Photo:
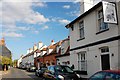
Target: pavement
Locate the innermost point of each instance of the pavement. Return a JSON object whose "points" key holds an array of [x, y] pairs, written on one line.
{"points": [[3, 73]]}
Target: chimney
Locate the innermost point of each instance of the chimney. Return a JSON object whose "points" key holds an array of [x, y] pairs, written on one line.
{"points": [[34, 47], [30, 50], [52, 42], [85, 5], [68, 37], [40, 44], [2, 41]]}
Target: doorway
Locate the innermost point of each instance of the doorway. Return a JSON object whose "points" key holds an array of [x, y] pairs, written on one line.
{"points": [[105, 62]]}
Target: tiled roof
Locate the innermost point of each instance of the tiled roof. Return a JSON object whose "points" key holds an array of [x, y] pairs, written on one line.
{"points": [[4, 51], [67, 53], [38, 51], [44, 49]]}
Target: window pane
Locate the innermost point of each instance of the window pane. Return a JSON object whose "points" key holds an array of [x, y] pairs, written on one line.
{"points": [[98, 76], [112, 76], [81, 27], [101, 24]]}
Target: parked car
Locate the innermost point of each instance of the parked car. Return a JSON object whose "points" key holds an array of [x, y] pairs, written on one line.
{"points": [[40, 72], [60, 72], [31, 68], [106, 75]]}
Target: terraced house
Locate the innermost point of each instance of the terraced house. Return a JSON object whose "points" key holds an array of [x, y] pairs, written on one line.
{"points": [[94, 44], [28, 59]]}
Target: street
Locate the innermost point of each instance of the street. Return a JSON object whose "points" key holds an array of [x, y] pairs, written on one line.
{"points": [[19, 74]]}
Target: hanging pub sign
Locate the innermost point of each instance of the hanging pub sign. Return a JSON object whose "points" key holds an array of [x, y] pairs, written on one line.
{"points": [[109, 12]]}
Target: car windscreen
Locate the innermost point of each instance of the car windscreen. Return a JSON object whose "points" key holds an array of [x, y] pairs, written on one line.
{"points": [[64, 69]]}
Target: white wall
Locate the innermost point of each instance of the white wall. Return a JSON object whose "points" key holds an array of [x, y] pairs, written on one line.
{"points": [[19, 61], [63, 59], [90, 29]]}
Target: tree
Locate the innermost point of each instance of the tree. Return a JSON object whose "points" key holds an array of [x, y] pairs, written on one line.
{"points": [[5, 60], [15, 63]]}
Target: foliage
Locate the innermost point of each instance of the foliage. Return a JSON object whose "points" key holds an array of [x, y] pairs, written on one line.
{"points": [[5, 60], [15, 62]]}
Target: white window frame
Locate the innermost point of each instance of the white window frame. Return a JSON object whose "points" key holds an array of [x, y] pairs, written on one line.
{"points": [[81, 29], [101, 25], [82, 61]]}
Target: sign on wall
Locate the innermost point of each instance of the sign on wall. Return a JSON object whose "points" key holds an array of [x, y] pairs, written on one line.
{"points": [[109, 12]]}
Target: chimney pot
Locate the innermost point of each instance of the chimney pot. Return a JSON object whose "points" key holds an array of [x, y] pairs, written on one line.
{"points": [[52, 40]]}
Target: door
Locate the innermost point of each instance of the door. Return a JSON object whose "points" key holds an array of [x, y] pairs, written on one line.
{"points": [[105, 62]]}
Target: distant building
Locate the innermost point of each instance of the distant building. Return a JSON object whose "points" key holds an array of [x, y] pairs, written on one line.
{"points": [[4, 51], [28, 59], [63, 56]]}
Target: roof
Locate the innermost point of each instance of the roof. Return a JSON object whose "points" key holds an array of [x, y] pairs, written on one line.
{"points": [[54, 46], [4, 51], [37, 51], [84, 14], [44, 49], [67, 53]]}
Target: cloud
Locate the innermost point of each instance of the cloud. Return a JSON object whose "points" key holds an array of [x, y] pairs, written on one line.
{"points": [[60, 20], [66, 6], [74, 13], [14, 12], [21, 11], [45, 27], [39, 4], [36, 32], [12, 34], [64, 21]]}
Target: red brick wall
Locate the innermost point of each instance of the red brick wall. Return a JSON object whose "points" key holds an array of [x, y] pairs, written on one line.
{"points": [[45, 59], [50, 58]]}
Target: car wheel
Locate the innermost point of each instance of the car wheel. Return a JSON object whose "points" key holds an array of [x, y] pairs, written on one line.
{"points": [[35, 74], [38, 75], [43, 79]]}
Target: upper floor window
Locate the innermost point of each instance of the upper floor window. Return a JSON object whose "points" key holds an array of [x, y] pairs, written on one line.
{"points": [[102, 26], [81, 28]]}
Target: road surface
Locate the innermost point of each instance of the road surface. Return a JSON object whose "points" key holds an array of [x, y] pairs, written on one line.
{"points": [[19, 74]]}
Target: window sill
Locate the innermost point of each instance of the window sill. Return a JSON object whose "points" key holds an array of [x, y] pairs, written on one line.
{"points": [[81, 39], [102, 31]]}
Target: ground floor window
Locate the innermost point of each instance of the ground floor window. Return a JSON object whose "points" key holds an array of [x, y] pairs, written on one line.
{"points": [[82, 61]]}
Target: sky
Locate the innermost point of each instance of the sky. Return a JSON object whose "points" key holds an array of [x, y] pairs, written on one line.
{"points": [[25, 23]]}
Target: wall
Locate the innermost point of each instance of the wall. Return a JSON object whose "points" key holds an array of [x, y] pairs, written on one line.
{"points": [[118, 10], [91, 28], [90, 31], [94, 63], [63, 59], [50, 58]]}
